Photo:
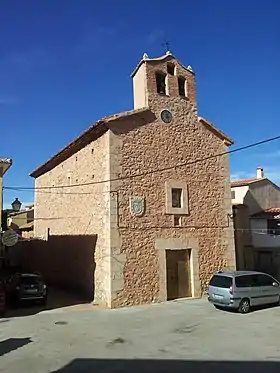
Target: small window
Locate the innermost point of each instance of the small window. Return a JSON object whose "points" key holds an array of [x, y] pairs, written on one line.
{"points": [[160, 80], [181, 86], [177, 197], [273, 227], [233, 194], [170, 69], [218, 281]]}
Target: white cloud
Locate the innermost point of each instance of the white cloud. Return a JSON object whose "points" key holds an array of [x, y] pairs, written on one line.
{"points": [[273, 154], [271, 174], [241, 175]]}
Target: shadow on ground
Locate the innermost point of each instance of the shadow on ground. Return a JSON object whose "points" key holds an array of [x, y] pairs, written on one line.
{"points": [[166, 366], [12, 344], [57, 299], [253, 309]]}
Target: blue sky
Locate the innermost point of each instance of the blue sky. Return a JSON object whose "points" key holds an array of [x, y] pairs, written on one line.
{"points": [[66, 63]]}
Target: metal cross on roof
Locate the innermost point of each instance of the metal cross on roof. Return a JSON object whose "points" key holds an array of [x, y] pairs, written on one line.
{"points": [[166, 44]]}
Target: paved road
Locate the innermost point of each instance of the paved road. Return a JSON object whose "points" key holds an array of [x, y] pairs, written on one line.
{"points": [[169, 337], [56, 299]]}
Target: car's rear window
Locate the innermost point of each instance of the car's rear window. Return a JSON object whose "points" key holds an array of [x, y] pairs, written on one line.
{"points": [[221, 281], [30, 280]]}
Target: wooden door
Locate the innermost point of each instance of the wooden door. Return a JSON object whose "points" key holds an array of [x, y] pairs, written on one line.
{"points": [[178, 274]]}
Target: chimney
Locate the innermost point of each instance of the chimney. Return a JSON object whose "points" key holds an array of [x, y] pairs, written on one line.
{"points": [[260, 174]]}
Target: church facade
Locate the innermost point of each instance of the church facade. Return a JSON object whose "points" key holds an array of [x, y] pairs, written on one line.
{"points": [[153, 185]]}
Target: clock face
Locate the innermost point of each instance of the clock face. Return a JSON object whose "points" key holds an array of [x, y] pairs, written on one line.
{"points": [[166, 116]]}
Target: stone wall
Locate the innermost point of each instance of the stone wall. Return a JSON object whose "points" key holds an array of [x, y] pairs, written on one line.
{"points": [[79, 210], [158, 147]]}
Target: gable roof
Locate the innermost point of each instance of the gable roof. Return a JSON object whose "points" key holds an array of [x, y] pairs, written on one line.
{"points": [[246, 182], [15, 213], [95, 131], [228, 141], [267, 213], [166, 56]]}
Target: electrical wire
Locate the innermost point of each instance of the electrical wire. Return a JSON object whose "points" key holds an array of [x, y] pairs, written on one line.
{"points": [[147, 172]]}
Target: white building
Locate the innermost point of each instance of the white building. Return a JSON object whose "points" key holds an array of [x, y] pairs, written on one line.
{"points": [[259, 199]]}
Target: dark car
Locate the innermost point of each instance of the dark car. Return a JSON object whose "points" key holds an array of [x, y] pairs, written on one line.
{"points": [[26, 287]]}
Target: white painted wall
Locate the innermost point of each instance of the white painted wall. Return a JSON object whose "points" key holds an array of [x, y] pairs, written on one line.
{"points": [[140, 87], [260, 238], [240, 193]]}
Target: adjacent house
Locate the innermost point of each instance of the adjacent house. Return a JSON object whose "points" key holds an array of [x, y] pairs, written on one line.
{"points": [[22, 221], [19, 220], [256, 206], [148, 184]]}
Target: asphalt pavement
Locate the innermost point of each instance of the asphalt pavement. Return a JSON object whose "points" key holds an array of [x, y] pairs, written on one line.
{"points": [[179, 336]]}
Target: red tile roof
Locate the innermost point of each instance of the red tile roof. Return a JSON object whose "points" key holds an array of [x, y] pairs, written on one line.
{"points": [[245, 182], [267, 213]]}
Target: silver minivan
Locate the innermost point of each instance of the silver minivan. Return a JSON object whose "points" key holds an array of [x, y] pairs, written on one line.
{"points": [[242, 290]]}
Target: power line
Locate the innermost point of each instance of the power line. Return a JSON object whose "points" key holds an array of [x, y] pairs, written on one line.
{"points": [[45, 218], [18, 188]]}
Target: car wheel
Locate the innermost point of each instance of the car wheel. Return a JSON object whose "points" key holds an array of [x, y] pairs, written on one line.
{"points": [[244, 306]]}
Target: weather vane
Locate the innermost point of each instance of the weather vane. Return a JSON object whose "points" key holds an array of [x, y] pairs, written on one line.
{"points": [[166, 44]]}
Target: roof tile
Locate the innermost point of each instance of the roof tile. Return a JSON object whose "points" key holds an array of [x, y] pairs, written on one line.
{"points": [[245, 182], [267, 213]]}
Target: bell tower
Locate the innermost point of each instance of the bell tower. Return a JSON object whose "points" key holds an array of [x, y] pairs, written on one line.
{"points": [[162, 76]]}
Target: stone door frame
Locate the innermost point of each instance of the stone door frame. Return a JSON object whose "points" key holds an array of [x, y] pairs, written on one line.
{"points": [[191, 244]]}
